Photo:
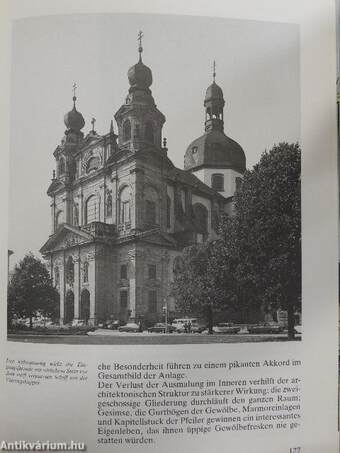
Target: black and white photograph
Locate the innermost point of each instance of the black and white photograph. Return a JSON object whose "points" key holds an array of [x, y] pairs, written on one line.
{"points": [[155, 180]]}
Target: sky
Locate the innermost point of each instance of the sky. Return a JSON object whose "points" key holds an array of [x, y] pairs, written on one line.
{"points": [[257, 67]]}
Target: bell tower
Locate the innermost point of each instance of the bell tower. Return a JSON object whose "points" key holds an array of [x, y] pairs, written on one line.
{"points": [[214, 104], [139, 121]]}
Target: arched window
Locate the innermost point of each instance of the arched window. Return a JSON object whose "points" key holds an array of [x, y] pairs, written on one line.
{"points": [[201, 218], [149, 132], [126, 131], [137, 131], [61, 166], [86, 272], [56, 276], [217, 182], [109, 205], [151, 206], [92, 164], [70, 270], [124, 206], [168, 211], [91, 210]]}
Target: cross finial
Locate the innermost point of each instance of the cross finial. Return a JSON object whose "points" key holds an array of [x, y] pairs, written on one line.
{"points": [[140, 48], [214, 70], [74, 87], [93, 122]]}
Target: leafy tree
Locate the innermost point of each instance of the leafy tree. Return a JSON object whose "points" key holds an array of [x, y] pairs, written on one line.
{"points": [[200, 283], [265, 233], [30, 291]]}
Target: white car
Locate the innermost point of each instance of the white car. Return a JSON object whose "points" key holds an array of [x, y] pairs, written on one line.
{"points": [[192, 325]]}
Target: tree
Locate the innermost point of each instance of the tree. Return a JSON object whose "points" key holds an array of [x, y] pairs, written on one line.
{"points": [[30, 291], [264, 236], [200, 283]]}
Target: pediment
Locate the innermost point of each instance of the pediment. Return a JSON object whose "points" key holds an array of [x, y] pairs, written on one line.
{"points": [[159, 238], [65, 237]]}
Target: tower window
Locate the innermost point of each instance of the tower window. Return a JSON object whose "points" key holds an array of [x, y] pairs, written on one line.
{"points": [[123, 272], [194, 149], [92, 164], [217, 182], [149, 132], [152, 271], [127, 131], [61, 166], [137, 131], [152, 302]]}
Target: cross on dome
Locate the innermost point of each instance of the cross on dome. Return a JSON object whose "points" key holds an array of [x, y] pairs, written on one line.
{"points": [[140, 48], [74, 88]]}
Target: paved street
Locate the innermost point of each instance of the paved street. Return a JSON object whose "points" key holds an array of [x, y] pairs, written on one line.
{"points": [[114, 337]]}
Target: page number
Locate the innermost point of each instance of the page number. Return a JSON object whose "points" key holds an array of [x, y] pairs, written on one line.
{"points": [[295, 450]]}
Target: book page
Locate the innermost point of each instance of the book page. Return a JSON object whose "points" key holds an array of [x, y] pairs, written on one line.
{"points": [[169, 237]]}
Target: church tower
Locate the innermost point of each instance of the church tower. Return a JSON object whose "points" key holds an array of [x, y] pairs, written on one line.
{"points": [[139, 121], [214, 158], [65, 156]]}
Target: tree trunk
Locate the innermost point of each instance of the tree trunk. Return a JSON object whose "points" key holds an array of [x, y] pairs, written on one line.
{"points": [[291, 322], [31, 322], [210, 320]]}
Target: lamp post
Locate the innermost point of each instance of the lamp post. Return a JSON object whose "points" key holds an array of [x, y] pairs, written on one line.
{"points": [[165, 311]]}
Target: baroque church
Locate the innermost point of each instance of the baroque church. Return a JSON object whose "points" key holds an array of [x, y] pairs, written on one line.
{"points": [[121, 212]]}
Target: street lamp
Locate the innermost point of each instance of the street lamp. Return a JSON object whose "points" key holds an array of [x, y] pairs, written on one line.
{"points": [[165, 311]]}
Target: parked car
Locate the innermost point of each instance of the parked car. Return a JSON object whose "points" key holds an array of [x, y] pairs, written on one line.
{"points": [[78, 323], [226, 328], [188, 325], [129, 327], [265, 328], [161, 327]]}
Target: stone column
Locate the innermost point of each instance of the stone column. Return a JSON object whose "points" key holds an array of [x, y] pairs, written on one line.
{"points": [[92, 287], [132, 282], [76, 286], [62, 289]]}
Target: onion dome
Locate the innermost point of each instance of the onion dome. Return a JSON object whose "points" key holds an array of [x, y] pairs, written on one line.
{"points": [[214, 149], [140, 76], [214, 92], [74, 120]]}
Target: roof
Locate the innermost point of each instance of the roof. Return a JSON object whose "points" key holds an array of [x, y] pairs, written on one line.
{"points": [[176, 174], [214, 149]]}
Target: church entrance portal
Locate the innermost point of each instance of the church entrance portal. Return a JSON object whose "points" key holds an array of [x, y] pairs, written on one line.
{"points": [[85, 305], [69, 307]]}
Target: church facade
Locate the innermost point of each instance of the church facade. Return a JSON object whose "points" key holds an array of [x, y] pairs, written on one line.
{"points": [[121, 212]]}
